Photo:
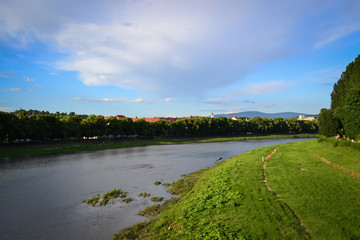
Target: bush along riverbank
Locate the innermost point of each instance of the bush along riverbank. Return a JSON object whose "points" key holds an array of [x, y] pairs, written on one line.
{"points": [[62, 147], [299, 190]]}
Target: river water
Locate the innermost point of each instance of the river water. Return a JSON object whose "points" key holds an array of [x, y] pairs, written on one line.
{"points": [[40, 197]]}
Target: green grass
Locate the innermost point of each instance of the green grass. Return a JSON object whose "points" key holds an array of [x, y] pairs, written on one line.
{"points": [[231, 200], [324, 197], [46, 148]]}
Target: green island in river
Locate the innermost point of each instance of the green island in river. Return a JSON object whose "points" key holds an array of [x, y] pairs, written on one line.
{"points": [[299, 190]]}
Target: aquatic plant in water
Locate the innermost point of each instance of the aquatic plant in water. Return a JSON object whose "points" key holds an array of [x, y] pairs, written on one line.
{"points": [[106, 197], [156, 199], [145, 194], [93, 200]]}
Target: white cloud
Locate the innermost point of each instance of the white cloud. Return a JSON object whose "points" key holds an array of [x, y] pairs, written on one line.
{"points": [[169, 47], [111, 100]]}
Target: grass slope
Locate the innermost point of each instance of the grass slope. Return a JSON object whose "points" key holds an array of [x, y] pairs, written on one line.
{"points": [[231, 200], [324, 197]]}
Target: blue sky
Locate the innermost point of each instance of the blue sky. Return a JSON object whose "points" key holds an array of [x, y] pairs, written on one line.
{"points": [[174, 58]]}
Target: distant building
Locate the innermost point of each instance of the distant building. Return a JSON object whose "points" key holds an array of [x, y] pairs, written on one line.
{"points": [[212, 115], [234, 117], [117, 117], [169, 119], [309, 118], [153, 119]]}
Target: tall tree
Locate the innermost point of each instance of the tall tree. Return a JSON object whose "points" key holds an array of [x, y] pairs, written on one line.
{"points": [[350, 114], [348, 80], [329, 125]]}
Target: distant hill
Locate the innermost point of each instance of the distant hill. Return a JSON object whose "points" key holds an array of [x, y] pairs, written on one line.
{"points": [[251, 114]]}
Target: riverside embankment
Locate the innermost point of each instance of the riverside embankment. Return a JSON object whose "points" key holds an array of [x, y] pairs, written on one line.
{"points": [[295, 194]]}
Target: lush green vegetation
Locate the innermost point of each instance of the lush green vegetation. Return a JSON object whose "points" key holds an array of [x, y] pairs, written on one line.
{"points": [[21, 126], [292, 195], [34, 149], [344, 115]]}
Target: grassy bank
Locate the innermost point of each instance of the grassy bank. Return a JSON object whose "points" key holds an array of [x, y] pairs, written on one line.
{"points": [[37, 149], [292, 195]]}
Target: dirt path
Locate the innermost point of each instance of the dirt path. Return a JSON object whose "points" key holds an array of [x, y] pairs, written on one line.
{"points": [[355, 174], [265, 159]]}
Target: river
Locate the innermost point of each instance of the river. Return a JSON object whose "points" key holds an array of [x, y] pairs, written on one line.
{"points": [[40, 197]]}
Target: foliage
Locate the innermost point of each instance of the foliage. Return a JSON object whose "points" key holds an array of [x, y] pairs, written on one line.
{"points": [[40, 126], [344, 104], [329, 126], [350, 114], [349, 79]]}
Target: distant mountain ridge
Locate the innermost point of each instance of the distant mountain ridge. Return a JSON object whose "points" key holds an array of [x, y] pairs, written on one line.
{"points": [[251, 114]]}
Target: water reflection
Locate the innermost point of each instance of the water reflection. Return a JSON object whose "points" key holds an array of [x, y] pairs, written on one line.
{"points": [[40, 197]]}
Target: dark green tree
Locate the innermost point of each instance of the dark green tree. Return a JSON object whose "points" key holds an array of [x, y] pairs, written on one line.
{"points": [[348, 80], [349, 114], [329, 125]]}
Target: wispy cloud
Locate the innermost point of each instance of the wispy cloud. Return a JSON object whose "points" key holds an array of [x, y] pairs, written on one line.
{"points": [[171, 99], [28, 79], [337, 33], [216, 101], [247, 101], [262, 88], [5, 109], [7, 74], [17, 90], [111, 100], [270, 105]]}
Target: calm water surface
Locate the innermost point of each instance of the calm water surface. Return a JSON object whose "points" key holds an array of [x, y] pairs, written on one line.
{"points": [[40, 197]]}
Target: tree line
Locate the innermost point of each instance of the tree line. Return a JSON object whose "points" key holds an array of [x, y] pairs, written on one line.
{"points": [[343, 117], [19, 126]]}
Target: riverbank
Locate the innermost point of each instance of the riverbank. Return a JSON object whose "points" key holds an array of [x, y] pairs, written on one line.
{"points": [[17, 150], [304, 190]]}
